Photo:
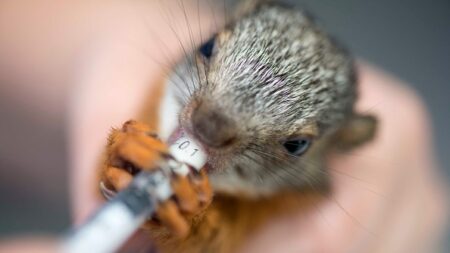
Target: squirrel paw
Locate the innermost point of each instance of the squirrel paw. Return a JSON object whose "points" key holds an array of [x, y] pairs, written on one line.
{"points": [[136, 147]]}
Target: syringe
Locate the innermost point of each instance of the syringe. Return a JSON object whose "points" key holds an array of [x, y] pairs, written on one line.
{"points": [[108, 229]]}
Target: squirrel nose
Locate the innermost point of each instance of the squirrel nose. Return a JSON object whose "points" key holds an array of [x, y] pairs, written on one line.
{"points": [[212, 128]]}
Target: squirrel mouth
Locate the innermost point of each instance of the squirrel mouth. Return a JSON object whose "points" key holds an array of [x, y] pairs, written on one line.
{"points": [[216, 156], [180, 132], [175, 135]]}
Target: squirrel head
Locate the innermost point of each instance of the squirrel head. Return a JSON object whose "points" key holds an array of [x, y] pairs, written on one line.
{"points": [[268, 97]]}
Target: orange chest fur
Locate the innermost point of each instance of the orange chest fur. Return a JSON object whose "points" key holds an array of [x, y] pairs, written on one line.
{"points": [[230, 221]]}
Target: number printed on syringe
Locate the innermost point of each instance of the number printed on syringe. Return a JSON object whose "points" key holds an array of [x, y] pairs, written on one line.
{"points": [[185, 146], [187, 151]]}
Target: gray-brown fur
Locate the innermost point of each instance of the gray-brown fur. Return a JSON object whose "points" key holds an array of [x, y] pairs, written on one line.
{"points": [[273, 73]]}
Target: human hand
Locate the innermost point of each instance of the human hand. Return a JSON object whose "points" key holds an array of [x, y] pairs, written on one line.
{"points": [[385, 197], [118, 75], [378, 191], [26, 245]]}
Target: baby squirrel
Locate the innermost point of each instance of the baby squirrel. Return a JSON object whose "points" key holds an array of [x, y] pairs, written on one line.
{"points": [[268, 97]]}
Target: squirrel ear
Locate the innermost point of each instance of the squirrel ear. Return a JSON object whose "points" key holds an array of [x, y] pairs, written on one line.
{"points": [[358, 130]]}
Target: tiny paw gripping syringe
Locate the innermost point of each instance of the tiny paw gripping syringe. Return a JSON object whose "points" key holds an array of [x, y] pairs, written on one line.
{"points": [[108, 229]]}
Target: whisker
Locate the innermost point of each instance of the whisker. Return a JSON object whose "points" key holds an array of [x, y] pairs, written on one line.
{"points": [[366, 156], [193, 45], [185, 52], [312, 181], [168, 65], [274, 175]]}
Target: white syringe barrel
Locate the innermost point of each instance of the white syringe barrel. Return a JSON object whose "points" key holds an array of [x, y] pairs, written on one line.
{"points": [[108, 229], [112, 225], [187, 152]]}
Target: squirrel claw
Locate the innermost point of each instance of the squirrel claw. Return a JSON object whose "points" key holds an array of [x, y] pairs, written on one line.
{"points": [[118, 178], [170, 216], [203, 188], [136, 147], [185, 194]]}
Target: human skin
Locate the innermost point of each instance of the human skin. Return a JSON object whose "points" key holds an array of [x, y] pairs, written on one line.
{"points": [[379, 191], [383, 186], [30, 244]]}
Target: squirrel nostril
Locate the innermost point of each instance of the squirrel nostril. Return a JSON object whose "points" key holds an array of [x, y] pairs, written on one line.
{"points": [[213, 128]]}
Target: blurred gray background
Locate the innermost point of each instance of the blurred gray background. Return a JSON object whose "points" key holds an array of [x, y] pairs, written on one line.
{"points": [[410, 39]]}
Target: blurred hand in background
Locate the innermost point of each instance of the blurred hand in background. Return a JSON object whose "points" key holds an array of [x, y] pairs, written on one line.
{"points": [[88, 66]]}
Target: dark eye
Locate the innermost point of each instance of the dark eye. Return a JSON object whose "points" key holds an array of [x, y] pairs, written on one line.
{"points": [[207, 48], [297, 146]]}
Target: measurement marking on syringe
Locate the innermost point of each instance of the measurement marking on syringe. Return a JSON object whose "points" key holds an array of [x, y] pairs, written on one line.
{"points": [[185, 145]]}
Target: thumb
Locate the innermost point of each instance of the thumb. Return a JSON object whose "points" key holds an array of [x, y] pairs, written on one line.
{"points": [[26, 245]]}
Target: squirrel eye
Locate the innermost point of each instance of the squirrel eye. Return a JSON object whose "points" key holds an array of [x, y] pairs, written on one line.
{"points": [[297, 146], [207, 48]]}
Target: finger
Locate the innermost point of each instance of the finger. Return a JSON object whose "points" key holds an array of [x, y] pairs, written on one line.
{"points": [[202, 187], [24, 245], [185, 194], [169, 216], [143, 157], [151, 143], [118, 178], [137, 127]]}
